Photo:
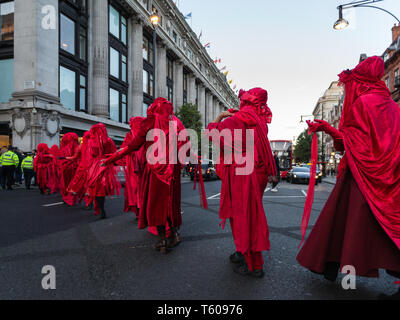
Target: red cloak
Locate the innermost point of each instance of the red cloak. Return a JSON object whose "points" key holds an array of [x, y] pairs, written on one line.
{"points": [[101, 181], [370, 126], [241, 195], [41, 165]]}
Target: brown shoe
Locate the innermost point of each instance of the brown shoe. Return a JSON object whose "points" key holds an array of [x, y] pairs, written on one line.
{"points": [[174, 240], [162, 246]]}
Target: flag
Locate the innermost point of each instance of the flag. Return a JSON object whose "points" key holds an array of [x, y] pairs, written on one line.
{"points": [[222, 69], [188, 16], [234, 87], [208, 45], [230, 81], [217, 61], [201, 34], [226, 73]]}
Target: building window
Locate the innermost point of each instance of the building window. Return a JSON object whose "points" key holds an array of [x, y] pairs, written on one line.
{"points": [[6, 79], [73, 69], [118, 78], [145, 107], [148, 50], [7, 21], [148, 70], [148, 83], [170, 79], [67, 34], [68, 88], [387, 81], [118, 105]]}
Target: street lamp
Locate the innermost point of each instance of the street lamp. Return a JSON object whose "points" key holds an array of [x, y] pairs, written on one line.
{"points": [[341, 23], [155, 19]]}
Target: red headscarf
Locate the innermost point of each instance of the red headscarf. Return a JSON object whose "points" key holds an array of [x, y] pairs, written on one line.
{"points": [[54, 150], [255, 113], [100, 143], [371, 133], [69, 144]]}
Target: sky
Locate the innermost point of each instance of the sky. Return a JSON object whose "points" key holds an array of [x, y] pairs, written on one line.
{"points": [[289, 47]]}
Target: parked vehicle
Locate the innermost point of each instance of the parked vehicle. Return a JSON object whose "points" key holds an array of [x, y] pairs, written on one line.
{"points": [[207, 168], [121, 175], [301, 175]]}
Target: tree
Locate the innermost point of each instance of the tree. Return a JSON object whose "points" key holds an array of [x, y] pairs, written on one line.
{"points": [[190, 117], [302, 151]]}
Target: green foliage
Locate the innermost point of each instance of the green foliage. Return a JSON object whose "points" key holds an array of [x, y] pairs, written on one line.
{"points": [[302, 151], [190, 117]]}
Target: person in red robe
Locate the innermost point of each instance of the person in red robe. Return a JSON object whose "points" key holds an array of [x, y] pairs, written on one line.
{"points": [[101, 181], [360, 223], [133, 165], [241, 194], [78, 184], [54, 179], [161, 181], [67, 168], [41, 165]]}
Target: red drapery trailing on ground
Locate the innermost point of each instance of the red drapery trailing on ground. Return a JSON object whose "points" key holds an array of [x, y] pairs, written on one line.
{"points": [[370, 126]]}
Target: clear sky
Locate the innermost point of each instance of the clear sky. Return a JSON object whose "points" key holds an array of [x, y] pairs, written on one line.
{"points": [[289, 47]]}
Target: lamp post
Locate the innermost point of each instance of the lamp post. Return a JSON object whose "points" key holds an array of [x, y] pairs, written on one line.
{"points": [[155, 19], [342, 23]]}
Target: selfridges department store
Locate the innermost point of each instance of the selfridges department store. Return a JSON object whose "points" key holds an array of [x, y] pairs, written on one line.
{"points": [[66, 65]]}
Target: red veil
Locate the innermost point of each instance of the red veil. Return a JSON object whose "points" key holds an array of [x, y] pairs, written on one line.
{"points": [[41, 165], [371, 132]]}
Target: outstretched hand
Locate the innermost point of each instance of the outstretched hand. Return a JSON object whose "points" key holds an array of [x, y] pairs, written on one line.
{"points": [[316, 126]]}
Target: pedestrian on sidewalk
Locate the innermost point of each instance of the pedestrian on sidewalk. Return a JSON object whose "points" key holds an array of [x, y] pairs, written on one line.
{"points": [[277, 179], [360, 223], [242, 193]]}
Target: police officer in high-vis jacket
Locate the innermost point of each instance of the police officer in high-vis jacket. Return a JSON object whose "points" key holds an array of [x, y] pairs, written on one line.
{"points": [[9, 161], [27, 169]]}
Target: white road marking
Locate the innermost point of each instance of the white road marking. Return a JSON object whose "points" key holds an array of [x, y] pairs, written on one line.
{"points": [[283, 197], [53, 204], [305, 193], [214, 196]]}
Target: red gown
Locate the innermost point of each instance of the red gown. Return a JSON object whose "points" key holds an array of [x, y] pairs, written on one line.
{"points": [[101, 181], [161, 182], [78, 183], [360, 223], [54, 179], [133, 165], [41, 165], [241, 195], [67, 168]]}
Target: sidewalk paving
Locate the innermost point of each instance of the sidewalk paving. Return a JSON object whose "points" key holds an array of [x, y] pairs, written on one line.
{"points": [[329, 179]]}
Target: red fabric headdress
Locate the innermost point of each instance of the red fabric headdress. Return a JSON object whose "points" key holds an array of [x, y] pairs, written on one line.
{"points": [[69, 143]]}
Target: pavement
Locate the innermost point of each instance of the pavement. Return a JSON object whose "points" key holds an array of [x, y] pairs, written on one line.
{"points": [[112, 259]]}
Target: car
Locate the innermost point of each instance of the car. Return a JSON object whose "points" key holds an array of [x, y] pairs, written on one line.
{"points": [[301, 175], [319, 173], [208, 170]]}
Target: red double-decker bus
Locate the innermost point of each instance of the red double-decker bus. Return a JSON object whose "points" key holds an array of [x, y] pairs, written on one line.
{"points": [[285, 150]]}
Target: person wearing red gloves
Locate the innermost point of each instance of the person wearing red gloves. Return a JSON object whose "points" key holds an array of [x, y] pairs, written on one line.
{"points": [[241, 194], [360, 223], [161, 180]]}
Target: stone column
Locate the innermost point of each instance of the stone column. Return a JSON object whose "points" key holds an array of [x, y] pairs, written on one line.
{"points": [[192, 89], [100, 59], [136, 104], [210, 107], [178, 84], [202, 104], [161, 85], [36, 73]]}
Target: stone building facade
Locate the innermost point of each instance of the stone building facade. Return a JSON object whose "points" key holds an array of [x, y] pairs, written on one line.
{"points": [[329, 108], [68, 64]]}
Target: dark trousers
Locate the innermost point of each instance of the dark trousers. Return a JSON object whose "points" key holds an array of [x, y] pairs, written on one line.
{"points": [[28, 175], [8, 176], [18, 175], [274, 184]]}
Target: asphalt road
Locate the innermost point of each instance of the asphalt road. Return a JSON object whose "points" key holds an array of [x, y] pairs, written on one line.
{"points": [[111, 259]]}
